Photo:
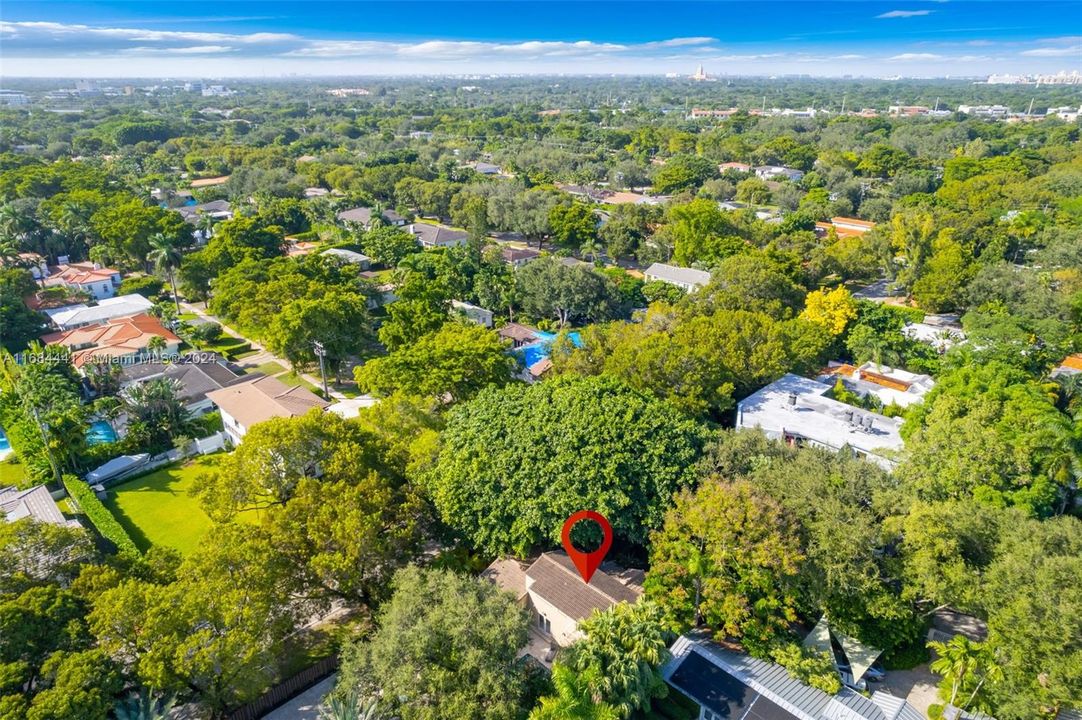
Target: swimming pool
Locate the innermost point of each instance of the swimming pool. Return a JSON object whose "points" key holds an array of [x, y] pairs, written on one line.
{"points": [[100, 432], [5, 446], [535, 352]]}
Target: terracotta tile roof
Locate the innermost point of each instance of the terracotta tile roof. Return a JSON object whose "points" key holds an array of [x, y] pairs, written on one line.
{"points": [[513, 254], [518, 333], [208, 182], [1073, 361], [540, 367], [554, 578], [264, 398], [116, 338], [852, 221], [79, 274]]}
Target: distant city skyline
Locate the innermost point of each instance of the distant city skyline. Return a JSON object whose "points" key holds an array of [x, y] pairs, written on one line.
{"points": [[238, 38]]}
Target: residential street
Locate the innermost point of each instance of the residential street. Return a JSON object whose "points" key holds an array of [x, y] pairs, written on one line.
{"points": [[264, 354]]}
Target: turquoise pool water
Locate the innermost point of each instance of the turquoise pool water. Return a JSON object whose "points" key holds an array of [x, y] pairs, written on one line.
{"points": [[4, 444], [536, 352], [100, 432]]}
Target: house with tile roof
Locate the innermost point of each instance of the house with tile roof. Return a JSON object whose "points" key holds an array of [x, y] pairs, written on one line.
{"points": [[196, 377], [35, 503], [432, 236], [557, 598], [844, 227], [116, 340], [731, 685], [246, 404], [70, 317], [91, 278]]}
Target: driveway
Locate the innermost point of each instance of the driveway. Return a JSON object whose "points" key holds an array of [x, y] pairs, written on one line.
{"points": [[306, 705], [918, 686]]}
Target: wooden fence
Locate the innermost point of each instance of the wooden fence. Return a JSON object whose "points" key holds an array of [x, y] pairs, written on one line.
{"points": [[286, 690]]}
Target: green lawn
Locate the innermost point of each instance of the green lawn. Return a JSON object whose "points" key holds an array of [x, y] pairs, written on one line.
{"points": [[267, 368], [157, 510], [11, 473], [295, 380]]}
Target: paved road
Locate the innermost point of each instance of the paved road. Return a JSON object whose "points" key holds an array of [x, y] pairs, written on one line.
{"points": [[264, 355], [306, 705]]}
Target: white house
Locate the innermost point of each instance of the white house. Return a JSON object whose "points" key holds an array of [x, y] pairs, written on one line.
{"points": [[777, 172], [689, 279], [794, 409], [473, 313], [348, 256], [73, 316], [891, 386], [557, 598], [91, 278], [431, 236], [245, 404]]}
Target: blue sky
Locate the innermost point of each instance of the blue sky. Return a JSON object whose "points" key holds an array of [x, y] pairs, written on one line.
{"points": [[231, 38]]}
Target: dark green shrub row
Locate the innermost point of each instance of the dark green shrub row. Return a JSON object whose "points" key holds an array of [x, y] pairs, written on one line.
{"points": [[24, 436], [99, 516]]}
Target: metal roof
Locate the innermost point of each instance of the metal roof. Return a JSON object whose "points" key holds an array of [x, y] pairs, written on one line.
{"points": [[773, 683]]}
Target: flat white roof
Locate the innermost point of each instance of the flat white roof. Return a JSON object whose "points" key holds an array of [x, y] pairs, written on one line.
{"points": [[106, 309], [818, 420], [674, 273]]}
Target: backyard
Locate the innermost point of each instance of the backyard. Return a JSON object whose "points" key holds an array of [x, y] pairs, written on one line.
{"points": [[156, 509]]}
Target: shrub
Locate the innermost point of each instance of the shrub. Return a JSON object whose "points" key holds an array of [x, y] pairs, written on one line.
{"points": [[146, 285], [25, 439], [206, 425], [206, 332], [100, 517]]}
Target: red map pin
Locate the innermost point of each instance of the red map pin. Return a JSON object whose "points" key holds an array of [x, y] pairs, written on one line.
{"points": [[587, 562]]}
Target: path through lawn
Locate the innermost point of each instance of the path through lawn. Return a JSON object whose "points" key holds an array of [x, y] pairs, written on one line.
{"points": [[157, 510]]}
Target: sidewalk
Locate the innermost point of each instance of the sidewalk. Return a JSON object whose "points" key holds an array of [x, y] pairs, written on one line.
{"points": [[264, 354]]}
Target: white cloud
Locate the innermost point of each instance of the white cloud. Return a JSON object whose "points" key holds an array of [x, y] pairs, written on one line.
{"points": [[463, 49], [1071, 51], [904, 14], [914, 57], [191, 50], [24, 30]]}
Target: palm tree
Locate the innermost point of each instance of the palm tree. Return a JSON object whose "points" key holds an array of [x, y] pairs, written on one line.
{"points": [[591, 248], [963, 664], [574, 698], [166, 257], [144, 706], [205, 223]]}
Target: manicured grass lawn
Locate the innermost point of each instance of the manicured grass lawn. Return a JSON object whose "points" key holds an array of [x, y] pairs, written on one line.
{"points": [[11, 473], [267, 368], [186, 317], [157, 510], [295, 380], [245, 354]]}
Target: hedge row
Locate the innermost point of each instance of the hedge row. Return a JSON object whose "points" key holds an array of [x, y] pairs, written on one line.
{"points": [[99, 516], [24, 436]]}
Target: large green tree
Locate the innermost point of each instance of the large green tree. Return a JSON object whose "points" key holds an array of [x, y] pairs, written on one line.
{"points": [[514, 462], [727, 557], [445, 649], [456, 361]]}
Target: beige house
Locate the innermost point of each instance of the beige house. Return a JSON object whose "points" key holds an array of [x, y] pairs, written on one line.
{"points": [[246, 404], [553, 591]]}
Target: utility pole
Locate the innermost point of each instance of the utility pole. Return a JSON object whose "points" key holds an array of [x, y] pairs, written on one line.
{"points": [[321, 353]]}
